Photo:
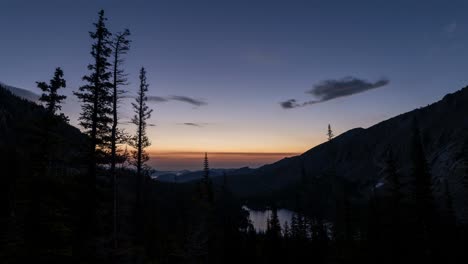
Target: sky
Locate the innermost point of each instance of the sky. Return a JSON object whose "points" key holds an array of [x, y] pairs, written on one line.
{"points": [[264, 78]]}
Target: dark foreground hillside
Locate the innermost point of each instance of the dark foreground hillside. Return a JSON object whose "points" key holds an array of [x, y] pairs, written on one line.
{"points": [[42, 219]]}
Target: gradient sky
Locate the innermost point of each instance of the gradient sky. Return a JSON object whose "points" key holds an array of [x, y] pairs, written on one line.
{"points": [[243, 58]]}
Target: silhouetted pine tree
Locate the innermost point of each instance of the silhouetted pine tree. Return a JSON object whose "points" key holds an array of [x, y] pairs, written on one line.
{"points": [[464, 229], [40, 212], [449, 211], [344, 229], [120, 46], [95, 118], [396, 234], [319, 195], [286, 231], [343, 224], [273, 225], [140, 140], [393, 178], [423, 198], [449, 233], [273, 237], [124, 158], [96, 95], [330, 134], [349, 220], [298, 237], [301, 229], [302, 198], [464, 157], [295, 227], [50, 96], [374, 228], [319, 238], [302, 224], [206, 184], [52, 101], [206, 168]]}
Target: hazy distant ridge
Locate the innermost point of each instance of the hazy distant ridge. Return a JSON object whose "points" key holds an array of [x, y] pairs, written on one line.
{"points": [[23, 93]]}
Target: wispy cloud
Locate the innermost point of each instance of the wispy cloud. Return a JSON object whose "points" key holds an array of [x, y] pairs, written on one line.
{"points": [[331, 89], [193, 124], [180, 98], [189, 100], [157, 99]]}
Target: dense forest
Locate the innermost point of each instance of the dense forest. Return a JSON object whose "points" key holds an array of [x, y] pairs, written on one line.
{"points": [[71, 196]]}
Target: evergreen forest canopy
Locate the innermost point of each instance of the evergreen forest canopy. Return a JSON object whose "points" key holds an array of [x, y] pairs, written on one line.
{"points": [[71, 196]]}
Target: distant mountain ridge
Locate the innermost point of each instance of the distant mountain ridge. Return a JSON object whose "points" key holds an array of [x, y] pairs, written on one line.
{"points": [[23, 93], [188, 176]]}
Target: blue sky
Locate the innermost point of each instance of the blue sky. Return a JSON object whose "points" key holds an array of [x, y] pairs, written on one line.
{"points": [[245, 57]]}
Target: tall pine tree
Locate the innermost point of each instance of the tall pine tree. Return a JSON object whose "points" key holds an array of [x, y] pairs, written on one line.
{"points": [[120, 46], [39, 219], [273, 224], [206, 184], [96, 105], [140, 140], [206, 168], [96, 95], [273, 237]]}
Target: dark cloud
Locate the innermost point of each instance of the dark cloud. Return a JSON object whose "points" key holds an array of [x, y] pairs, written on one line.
{"points": [[189, 100], [331, 89], [291, 103]]}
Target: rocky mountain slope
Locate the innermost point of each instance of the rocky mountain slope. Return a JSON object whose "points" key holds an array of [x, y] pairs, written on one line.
{"points": [[358, 155]]}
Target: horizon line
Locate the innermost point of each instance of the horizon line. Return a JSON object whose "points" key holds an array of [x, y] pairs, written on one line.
{"points": [[247, 153]]}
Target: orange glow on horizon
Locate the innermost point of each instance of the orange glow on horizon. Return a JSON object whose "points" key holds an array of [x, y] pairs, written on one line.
{"points": [[166, 160]]}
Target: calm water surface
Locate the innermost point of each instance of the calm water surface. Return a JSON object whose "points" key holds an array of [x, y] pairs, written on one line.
{"points": [[259, 218]]}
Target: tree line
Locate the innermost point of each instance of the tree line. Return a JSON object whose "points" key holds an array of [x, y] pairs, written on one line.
{"points": [[100, 97]]}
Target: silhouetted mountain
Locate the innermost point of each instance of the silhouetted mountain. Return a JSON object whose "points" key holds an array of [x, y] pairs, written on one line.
{"points": [[188, 176], [358, 155], [23, 93]]}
